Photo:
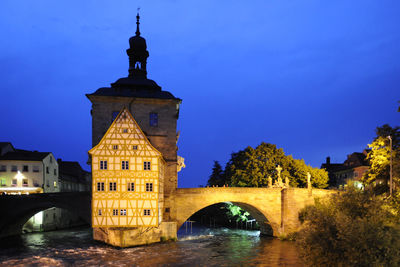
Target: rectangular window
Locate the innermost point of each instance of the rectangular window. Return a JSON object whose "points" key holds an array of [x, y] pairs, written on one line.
{"points": [[123, 212], [55, 171], [3, 181], [149, 187], [3, 168], [356, 174], [115, 212], [131, 186], [14, 168], [25, 168], [146, 166], [125, 130], [55, 184], [153, 119], [103, 164], [35, 169], [125, 165], [114, 115], [100, 186], [47, 169], [115, 147], [113, 186], [99, 212], [146, 212], [51, 159], [14, 182], [24, 182]]}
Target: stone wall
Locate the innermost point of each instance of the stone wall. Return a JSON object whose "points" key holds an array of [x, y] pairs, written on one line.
{"points": [[135, 236], [163, 137]]}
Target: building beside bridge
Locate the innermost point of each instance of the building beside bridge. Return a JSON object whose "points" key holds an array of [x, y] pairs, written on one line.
{"points": [[25, 172], [353, 168]]}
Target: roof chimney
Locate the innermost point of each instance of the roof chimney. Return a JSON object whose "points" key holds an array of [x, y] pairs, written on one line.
{"points": [[328, 160]]}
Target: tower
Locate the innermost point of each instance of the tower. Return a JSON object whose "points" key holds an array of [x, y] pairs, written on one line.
{"points": [[156, 111]]}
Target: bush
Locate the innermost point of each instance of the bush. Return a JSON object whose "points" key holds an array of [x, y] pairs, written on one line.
{"points": [[353, 228]]}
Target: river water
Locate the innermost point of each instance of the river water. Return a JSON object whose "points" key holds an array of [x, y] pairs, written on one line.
{"points": [[202, 247]]}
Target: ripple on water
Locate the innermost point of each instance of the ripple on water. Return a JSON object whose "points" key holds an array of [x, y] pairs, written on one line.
{"points": [[204, 247]]}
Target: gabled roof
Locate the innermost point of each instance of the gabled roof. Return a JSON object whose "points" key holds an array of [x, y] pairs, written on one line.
{"points": [[25, 155], [356, 159], [71, 170], [116, 136]]}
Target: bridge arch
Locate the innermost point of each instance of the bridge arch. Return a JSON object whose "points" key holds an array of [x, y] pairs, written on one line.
{"points": [[263, 204], [266, 228], [16, 210]]}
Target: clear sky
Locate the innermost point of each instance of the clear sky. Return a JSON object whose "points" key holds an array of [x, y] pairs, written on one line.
{"points": [[313, 77]]}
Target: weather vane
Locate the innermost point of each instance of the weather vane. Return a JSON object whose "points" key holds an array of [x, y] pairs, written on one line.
{"points": [[138, 9]]}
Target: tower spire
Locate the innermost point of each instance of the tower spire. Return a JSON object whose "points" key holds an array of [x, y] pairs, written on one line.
{"points": [[137, 53], [137, 22]]}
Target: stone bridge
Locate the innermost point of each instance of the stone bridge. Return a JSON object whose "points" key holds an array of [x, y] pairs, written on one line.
{"points": [[274, 208], [16, 210]]}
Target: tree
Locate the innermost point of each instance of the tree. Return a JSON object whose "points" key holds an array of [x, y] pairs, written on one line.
{"points": [[252, 167], [355, 228], [217, 176], [379, 157]]}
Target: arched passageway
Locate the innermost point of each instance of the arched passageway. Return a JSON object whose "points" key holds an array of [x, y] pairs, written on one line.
{"points": [[220, 215], [17, 210]]}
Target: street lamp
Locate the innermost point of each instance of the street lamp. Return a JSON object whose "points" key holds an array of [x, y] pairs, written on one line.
{"points": [[391, 173]]}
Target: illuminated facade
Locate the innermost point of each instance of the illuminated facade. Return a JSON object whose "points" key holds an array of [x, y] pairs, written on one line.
{"points": [[127, 177], [353, 168], [23, 172]]}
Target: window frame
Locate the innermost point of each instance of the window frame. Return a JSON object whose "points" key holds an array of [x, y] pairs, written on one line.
{"points": [[146, 212], [149, 187], [103, 165], [147, 165], [125, 165], [130, 187], [100, 187], [153, 119], [112, 186]]}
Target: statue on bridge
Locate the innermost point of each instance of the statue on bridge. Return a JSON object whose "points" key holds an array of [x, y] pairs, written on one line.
{"points": [[269, 182], [279, 182]]}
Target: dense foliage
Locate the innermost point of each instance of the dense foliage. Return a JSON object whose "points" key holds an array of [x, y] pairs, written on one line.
{"points": [[217, 176], [236, 213], [354, 228], [379, 158], [251, 167]]}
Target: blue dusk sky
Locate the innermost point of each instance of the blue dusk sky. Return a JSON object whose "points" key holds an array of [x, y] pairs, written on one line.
{"points": [[313, 77]]}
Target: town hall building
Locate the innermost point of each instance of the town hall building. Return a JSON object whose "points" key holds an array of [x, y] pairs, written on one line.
{"points": [[134, 156]]}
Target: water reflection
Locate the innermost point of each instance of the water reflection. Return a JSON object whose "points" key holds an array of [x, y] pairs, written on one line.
{"points": [[204, 247]]}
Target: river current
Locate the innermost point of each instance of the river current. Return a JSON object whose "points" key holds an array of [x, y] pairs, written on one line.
{"points": [[202, 247]]}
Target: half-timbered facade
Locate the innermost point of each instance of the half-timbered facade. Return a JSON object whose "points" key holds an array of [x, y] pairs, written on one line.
{"points": [[128, 174]]}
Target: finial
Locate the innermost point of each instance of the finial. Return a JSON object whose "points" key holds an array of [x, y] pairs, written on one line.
{"points": [[137, 22]]}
